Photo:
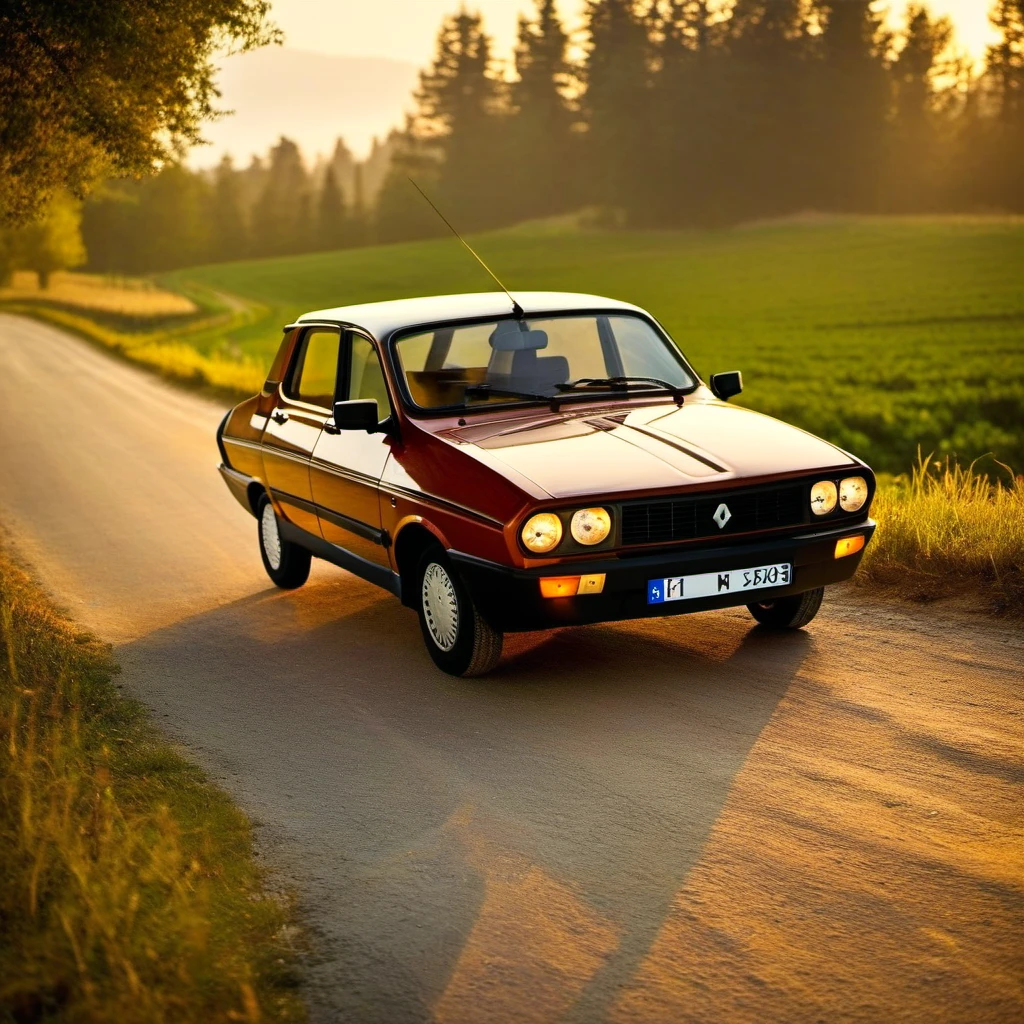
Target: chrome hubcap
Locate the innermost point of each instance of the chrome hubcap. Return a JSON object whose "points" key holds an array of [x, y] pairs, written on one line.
{"points": [[271, 538], [440, 606]]}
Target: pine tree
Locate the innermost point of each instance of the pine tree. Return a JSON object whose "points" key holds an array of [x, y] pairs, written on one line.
{"points": [[172, 224], [541, 122], [683, 174], [458, 122], [331, 221], [616, 104], [1005, 80], [230, 235], [281, 216], [914, 140], [769, 119], [851, 100]]}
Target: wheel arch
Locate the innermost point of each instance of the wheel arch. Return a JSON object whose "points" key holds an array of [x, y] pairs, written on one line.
{"points": [[254, 492], [412, 539]]}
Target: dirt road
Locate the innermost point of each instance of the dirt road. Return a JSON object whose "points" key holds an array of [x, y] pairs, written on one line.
{"points": [[675, 820]]}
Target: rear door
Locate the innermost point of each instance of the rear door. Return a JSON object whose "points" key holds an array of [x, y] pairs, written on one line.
{"points": [[346, 467], [296, 423]]}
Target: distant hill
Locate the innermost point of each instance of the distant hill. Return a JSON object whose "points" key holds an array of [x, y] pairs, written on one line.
{"points": [[310, 97]]}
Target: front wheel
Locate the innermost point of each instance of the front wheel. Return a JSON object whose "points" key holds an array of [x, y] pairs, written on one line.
{"points": [[286, 563], [788, 612], [459, 639]]}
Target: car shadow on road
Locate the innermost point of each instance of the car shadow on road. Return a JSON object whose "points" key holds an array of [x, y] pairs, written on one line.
{"points": [[576, 785]]}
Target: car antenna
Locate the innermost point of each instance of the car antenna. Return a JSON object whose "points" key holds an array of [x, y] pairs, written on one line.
{"points": [[517, 310]]}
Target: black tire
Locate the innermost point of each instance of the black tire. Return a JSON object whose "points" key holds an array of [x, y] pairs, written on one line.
{"points": [[788, 612], [289, 566], [459, 639]]}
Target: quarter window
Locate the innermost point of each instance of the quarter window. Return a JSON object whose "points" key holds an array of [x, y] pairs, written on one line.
{"points": [[315, 373], [366, 379]]}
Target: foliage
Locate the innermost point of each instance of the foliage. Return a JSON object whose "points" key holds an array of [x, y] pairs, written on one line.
{"points": [[949, 530], [107, 85], [51, 242], [128, 889]]}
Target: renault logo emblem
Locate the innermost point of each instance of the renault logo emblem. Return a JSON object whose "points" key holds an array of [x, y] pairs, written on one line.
{"points": [[722, 515]]}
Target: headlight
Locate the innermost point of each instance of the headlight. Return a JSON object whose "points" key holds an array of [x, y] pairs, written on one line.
{"points": [[853, 492], [590, 525], [542, 532], [823, 497]]}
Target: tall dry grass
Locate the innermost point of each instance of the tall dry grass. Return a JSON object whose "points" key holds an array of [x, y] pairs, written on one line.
{"points": [[128, 890], [947, 530]]}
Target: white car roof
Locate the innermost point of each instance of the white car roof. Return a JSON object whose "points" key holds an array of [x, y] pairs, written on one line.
{"points": [[382, 319]]}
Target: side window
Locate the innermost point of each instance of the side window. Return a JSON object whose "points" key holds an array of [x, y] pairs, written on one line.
{"points": [[315, 371], [366, 379]]}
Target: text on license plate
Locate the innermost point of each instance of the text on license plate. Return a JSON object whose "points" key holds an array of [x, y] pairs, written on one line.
{"points": [[712, 584]]}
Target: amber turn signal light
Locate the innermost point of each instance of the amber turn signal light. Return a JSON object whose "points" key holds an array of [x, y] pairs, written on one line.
{"points": [[570, 586], [849, 545]]}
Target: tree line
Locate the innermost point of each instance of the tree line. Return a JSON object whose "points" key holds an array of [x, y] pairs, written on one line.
{"points": [[701, 113], [672, 113]]}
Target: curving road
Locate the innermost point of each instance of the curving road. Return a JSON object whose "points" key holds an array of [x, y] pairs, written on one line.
{"points": [[688, 819]]}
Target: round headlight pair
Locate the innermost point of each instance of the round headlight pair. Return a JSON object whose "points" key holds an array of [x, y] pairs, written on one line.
{"points": [[542, 533], [850, 495]]}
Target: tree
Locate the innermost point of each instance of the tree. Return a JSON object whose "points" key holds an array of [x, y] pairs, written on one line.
{"points": [[1005, 80], [914, 148], [53, 241], [616, 73], [541, 123], [281, 216], [458, 124], [107, 85], [851, 99], [770, 117], [228, 229], [331, 221]]}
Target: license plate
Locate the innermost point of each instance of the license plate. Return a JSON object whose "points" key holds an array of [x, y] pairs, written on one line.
{"points": [[714, 584]]}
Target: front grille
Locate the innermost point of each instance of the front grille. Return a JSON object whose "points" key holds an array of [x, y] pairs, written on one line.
{"points": [[674, 519]]}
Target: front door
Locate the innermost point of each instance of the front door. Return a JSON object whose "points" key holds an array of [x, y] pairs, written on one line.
{"points": [[295, 425], [346, 467]]}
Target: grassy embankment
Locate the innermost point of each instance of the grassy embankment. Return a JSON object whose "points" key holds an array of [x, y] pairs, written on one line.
{"points": [[884, 335], [948, 531], [128, 890], [170, 332]]}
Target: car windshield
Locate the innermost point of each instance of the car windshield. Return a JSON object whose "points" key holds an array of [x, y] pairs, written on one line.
{"points": [[505, 361]]}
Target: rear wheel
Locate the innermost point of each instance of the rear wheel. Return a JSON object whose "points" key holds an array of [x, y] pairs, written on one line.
{"points": [[788, 612], [286, 563], [459, 639]]}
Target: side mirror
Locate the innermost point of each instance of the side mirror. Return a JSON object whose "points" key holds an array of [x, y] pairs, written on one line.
{"points": [[725, 385], [358, 414]]}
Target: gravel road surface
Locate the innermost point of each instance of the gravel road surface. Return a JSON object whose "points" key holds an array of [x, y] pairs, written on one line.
{"points": [[687, 819]]}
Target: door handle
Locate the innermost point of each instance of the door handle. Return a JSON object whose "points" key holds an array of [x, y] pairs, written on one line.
{"points": [[280, 417]]}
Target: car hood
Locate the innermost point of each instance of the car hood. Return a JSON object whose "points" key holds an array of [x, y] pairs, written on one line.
{"points": [[576, 453]]}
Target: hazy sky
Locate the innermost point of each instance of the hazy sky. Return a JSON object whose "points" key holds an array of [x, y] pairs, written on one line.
{"points": [[405, 29]]}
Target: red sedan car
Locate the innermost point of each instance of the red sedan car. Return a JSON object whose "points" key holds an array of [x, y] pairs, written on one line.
{"points": [[552, 464]]}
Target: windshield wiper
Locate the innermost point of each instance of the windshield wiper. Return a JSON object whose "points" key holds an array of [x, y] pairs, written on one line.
{"points": [[623, 384], [490, 389]]}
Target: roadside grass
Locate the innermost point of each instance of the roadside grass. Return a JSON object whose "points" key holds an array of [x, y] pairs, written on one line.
{"points": [[125, 296], [186, 348], [948, 530], [128, 888]]}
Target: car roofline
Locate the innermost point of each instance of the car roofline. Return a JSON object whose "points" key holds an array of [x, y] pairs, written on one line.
{"points": [[381, 320]]}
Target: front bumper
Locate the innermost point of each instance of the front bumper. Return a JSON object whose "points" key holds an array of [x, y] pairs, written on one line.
{"points": [[511, 601]]}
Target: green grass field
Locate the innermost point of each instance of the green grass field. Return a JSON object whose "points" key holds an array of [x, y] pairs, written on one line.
{"points": [[880, 334]]}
